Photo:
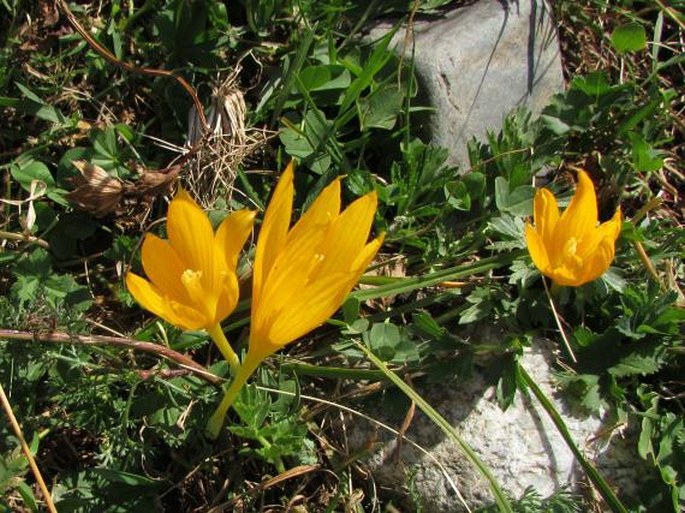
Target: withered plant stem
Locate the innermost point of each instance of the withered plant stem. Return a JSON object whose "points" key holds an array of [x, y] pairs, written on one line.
{"points": [[110, 57], [137, 345], [27, 450]]}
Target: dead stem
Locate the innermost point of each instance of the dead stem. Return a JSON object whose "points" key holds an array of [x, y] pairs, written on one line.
{"points": [[137, 345], [27, 451]]}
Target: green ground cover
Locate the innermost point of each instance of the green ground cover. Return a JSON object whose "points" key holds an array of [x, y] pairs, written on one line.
{"points": [[114, 401]]}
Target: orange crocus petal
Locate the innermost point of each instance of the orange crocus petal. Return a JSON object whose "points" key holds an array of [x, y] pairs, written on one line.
{"points": [[597, 263], [580, 217], [571, 249], [367, 254], [537, 249], [228, 297], [192, 236], [347, 236], [273, 232], [545, 214], [600, 249], [310, 308], [163, 267], [151, 298], [566, 276], [611, 229], [231, 235], [312, 269], [323, 210], [193, 282], [289, 276]]}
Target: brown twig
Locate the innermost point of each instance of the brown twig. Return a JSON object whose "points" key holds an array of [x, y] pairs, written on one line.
{"points": [[137, 345], [130, 67], [107, 55], [27, 450]]}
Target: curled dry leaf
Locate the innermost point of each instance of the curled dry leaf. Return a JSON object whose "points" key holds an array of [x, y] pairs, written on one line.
{"points": [[101, 194], [96, 190], [154, 183]]}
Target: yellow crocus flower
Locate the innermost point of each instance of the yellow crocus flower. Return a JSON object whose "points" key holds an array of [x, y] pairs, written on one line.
{"points": [[192, 280], [301, 274], [571, 248]]}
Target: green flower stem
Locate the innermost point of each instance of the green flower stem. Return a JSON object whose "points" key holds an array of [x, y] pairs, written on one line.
{"points": [[305, 369], [441, 422], [216, 421], [392, 286], [596, 478], [551, 294], [221, 342]]}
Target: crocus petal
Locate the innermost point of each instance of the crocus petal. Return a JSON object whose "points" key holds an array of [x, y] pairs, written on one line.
{"points": [[316, 303], [228, 297], [232, 234], [190, 318], [154, 301], [611, 229], [323, 210], [598, 263], [291, 270], [580, 217], [545, 215], [192, 236], [366, 255], [347, 236], [565, 275], [311, 268], [163, 267], [273, 232], [537, 249], [606, 232]]}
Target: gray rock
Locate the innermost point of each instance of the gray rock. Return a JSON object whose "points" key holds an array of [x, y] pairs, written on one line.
{"points": [[478, 62], [520, 446]]}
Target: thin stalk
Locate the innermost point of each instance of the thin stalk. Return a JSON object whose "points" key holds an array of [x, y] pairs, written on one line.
{"points": [[596, 478], [221, 342], [27, 451], [216, 421], [557, 319], [442, 423], [137, 345], [306, 369]]}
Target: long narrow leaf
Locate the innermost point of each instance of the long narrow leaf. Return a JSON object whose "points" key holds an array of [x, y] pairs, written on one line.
{"points": [[442, 423], [404, 285]]}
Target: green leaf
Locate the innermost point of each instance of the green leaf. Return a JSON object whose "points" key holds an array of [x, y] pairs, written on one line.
{"points": [[383, 340], [25, 170], [424, 322], [630, 37], [507, 384], [594, 84], [35, 106], [556, 125], [381, 108], [645, 360], [27, 496], [308, 141], [516, 202], [325, 78], [127, 478], [376, 61], [645, 157], [458, 196]]}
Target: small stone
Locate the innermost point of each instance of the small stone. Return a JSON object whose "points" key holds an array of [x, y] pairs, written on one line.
{"points": [[477, 63]]}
